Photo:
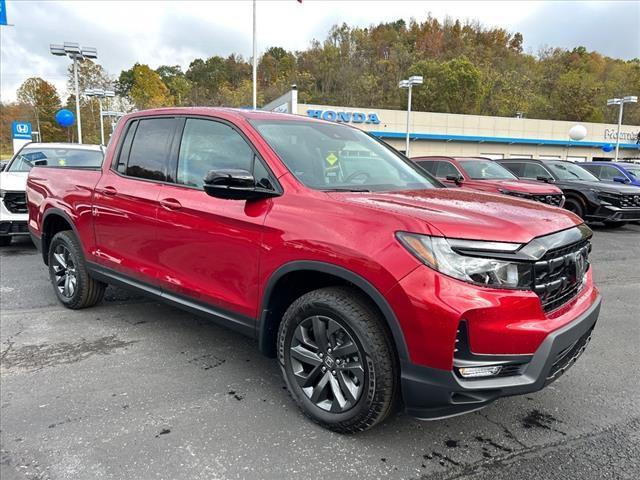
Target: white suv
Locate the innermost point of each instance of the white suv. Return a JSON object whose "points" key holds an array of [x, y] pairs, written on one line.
{"points": [[13, 179]]}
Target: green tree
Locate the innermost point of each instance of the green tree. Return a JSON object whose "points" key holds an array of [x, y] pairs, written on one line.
{"points": [[176, 81], [454, 86]]}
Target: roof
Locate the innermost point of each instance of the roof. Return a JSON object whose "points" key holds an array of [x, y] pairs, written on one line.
{"points": [[224, 112], [68, 146]]}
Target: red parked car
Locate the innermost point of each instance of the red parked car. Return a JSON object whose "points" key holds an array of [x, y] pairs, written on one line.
{"points": [[479, 173], [367, 279]]}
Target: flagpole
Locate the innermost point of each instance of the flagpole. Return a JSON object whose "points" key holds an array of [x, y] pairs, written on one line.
{"points": [[255, 61]]}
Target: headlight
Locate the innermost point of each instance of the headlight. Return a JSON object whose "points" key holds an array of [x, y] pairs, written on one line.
{"points": [[475, 265]]}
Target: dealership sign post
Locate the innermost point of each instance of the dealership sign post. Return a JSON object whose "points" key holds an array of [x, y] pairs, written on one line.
{"points": [[21, 134]]}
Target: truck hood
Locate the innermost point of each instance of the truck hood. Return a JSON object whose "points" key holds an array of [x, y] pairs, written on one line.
{"points": [[13, 181], [601, 186], [468, 214], [524, 186]]}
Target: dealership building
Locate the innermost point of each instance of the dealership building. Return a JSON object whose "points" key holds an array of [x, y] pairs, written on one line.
{"points": [[476, 135]]}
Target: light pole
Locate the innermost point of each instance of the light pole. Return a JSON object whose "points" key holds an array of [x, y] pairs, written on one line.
{"points": [[408, 84], [255, 60], [75, 52], [621, 102], [100, 93]]}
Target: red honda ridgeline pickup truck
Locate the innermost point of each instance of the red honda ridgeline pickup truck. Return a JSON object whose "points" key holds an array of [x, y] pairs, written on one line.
{"points": [[361, 273]]}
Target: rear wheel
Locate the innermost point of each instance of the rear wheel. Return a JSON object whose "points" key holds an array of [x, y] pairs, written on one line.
{"points": [[574, 205], [5, 241], [71, 281], [338, 360]]}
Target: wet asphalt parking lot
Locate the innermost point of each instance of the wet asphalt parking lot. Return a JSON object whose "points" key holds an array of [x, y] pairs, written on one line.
{"points": [[133, 389]]}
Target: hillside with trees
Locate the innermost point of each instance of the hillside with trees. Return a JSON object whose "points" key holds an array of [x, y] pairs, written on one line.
{"points": [[467, 69]]}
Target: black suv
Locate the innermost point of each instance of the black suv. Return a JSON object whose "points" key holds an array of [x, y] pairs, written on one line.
{"points": [[586, 195]]}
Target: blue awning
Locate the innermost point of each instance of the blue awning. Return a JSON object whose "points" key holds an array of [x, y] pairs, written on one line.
{"points": [[503, 140]]}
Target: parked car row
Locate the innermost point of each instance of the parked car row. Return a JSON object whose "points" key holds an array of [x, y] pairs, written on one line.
{"points": [[613, 199]]}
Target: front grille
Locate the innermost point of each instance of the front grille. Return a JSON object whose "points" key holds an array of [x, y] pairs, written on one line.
{"points": [[16, 202], [568, 356], [13, 228], [630, 200], [554, 199], [559, 275]]}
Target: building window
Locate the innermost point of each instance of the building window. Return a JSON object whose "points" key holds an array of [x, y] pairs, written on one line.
{"points": [[572, 158], [493, 156], [550, 157], [519, 155]]}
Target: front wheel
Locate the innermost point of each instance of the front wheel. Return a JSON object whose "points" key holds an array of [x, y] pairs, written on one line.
{"points": [[575, 206], [71, 281], [5, 241], [338, 360]]}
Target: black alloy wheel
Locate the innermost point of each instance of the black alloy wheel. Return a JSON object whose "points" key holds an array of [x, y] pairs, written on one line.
{"points": [[70, 278], [326, 363], [338, 359], [64, 271]]}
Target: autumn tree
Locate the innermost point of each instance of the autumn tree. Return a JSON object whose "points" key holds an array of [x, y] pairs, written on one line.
{"points": [[148, 90], [43, 100]]}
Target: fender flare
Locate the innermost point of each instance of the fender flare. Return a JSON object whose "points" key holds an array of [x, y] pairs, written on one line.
{"points": [[45, 241], [265, 331]]}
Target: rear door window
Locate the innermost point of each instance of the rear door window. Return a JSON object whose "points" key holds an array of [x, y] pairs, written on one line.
{"points": [[150, 149]]}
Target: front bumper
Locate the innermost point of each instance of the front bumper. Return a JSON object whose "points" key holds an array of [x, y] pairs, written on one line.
{"points": [[431, 393], [13, 228], [610, 213]]}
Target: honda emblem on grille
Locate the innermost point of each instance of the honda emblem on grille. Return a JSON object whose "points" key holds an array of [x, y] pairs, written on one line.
{"points": [[581, 264]]}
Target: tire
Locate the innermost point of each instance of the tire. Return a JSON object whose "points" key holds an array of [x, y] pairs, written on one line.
{"points": [[574, 205], [359, 387], [71, 281], [614, 224], [5, 241]]}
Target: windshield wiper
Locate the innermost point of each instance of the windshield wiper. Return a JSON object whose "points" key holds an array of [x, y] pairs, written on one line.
{"points": [[345, 190]]}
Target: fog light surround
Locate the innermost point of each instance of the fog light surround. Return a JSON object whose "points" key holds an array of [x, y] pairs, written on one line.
{"points": [[478, 372]]}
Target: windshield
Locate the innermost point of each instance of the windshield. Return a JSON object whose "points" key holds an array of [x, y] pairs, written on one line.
{"points": [[486, 170], [55, 157], [633, 170], [570, 171], [325, 156]]}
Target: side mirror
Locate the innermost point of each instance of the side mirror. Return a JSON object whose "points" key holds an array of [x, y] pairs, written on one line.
{"points": [[621, 179], [542, 178], [235, 184], [455, 178]]}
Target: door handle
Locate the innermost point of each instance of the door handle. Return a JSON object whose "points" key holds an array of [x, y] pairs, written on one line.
{"points": [[109, 191], [170, 204]]}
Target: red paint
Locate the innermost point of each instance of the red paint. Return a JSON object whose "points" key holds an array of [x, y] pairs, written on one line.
{"points": [[224, 251]]}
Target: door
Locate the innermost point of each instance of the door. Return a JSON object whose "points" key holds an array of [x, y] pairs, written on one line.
{"points": [[125, 205], [208, 248]]}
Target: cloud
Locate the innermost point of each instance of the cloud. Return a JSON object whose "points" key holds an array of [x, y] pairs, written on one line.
{"points": [[173, 32], [611, 28]]}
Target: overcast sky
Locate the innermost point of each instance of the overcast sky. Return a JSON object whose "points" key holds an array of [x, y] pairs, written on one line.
{"points": [[175, 32]]}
